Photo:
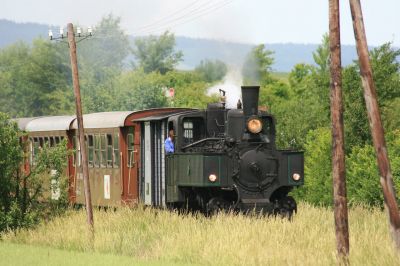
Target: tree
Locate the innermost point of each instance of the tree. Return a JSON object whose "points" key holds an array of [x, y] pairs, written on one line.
{"points": [[10, 159], [212, 70], [157, 53], [386, 72], [101, 61], [258, 66], [362, 172], [139, 90], [35, 80], [318, 171], [306, 105], [20, 192], [321, 76], [298, 77], [108, 48], [190, 89]]}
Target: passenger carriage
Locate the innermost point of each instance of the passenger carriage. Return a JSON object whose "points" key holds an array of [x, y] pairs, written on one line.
{"points": [[115, 143]]}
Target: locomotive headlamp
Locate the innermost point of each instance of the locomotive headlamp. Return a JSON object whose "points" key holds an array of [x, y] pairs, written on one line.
{"points": [[296, 177], [254, 125], [212, 178]]}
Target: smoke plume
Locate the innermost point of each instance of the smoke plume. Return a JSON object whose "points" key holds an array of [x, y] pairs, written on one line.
{"points": [[231, 84]]}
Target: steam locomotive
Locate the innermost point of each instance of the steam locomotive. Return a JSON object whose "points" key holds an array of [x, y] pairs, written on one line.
{"points": [[223, 159], [227, 159]]}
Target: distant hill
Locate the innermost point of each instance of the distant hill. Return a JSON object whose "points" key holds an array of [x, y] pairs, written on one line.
{"points": [[286, 54], [11, 32]]}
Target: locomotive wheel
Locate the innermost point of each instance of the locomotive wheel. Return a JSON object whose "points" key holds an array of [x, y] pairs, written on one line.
{"points": [[287, 206], [216, 205]]}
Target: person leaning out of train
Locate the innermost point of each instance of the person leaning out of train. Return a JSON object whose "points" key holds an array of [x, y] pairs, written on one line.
{"points": [[169, 142]]}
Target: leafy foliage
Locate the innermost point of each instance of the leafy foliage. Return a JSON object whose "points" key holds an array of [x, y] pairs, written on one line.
{"points": [[34, 80], [258, 66], [386, 73], [157, 53], [212, 71], [10, 159], [22, 193], [141, 91], [363, 175], [318, 168]]}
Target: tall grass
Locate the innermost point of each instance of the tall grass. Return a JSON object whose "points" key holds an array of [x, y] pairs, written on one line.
{"points": [[225, 239]]}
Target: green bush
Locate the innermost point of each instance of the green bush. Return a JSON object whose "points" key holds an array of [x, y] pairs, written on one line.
{"points": [[25, 198], [317, 169], [363, 175]]}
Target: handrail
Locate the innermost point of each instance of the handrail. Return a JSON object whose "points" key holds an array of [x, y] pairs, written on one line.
{"points": [[121, 173], [200, 141]]}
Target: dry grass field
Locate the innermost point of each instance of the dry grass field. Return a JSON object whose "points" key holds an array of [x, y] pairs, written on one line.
{"points": [[149, 235]]}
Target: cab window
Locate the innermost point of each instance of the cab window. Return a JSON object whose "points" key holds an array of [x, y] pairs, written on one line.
{"points": [[193, 129]]}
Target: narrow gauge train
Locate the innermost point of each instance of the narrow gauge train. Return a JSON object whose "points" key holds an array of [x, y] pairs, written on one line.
{"points": [[223, 158]]}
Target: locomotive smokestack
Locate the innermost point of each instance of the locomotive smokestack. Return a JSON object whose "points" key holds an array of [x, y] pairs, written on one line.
{"points": [[250, 100]]}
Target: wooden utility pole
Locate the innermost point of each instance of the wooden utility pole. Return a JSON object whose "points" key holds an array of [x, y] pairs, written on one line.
{"points": [[77, 92], [375, 123], [338, 157]]}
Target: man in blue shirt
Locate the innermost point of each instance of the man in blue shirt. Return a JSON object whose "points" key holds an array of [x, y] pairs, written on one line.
{"points": [[169, 142]]}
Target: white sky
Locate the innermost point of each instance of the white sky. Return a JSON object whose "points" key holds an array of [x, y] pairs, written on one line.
{"points": [[248, 21]]}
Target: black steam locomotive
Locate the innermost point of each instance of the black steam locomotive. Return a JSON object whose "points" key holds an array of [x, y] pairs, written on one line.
{"points": [[227, 159]]}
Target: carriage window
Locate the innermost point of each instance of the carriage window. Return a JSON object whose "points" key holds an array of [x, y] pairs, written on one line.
{"points": [[46, 141], [52, 142], [131, 153], [90, 144], [30, 151], [103, 149], [192, 130], [74, 141], [97, 154], [116, 150], [57, 140], [78, 151], [35, 149], [41, 142], [109, 150]]}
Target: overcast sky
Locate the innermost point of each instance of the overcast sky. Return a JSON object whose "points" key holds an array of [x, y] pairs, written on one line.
{"points": [[248, 21]]}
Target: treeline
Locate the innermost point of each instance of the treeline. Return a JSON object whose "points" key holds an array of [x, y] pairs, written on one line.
{"points": [[302, 109], [36, 78]]}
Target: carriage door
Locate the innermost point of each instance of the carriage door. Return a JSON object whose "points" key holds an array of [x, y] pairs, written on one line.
{"points": [[147, 164], [133, 148]]}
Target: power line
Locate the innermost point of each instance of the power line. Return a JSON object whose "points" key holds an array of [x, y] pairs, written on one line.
{"points": [[206, 8], [161, 20], [188, 17]]}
